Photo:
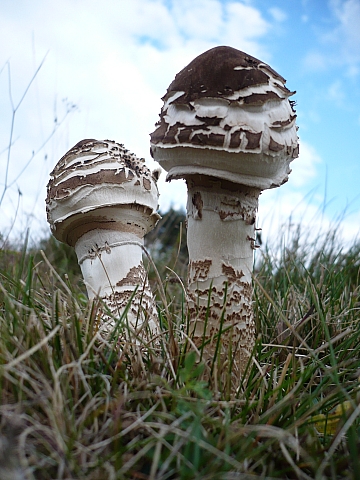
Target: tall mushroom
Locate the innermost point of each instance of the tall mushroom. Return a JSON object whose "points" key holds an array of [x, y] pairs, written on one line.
{"points": [[228, 128], [102, 200]]}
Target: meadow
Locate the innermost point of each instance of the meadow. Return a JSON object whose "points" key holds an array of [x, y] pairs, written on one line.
{"points": [[77, 405]]}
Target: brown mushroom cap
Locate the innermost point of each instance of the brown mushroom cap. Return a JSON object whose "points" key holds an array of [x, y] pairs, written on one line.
{"points": [[220, 72], [227, 102], [91, 185]]}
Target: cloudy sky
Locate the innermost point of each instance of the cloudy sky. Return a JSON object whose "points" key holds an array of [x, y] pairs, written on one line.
{"points": [[75, 69]]}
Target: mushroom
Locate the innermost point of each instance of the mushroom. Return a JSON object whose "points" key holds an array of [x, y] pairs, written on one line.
{"points": [[102, 200], [227, 127]]}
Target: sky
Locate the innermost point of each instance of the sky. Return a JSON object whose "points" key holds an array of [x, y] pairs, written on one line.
{"points": [[80, 69]]}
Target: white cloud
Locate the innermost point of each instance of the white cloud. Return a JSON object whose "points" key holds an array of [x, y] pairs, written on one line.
{"points": [[115, 63], [353, 70], [202, 19], [350, 227], [244, 25], [348, 32], [336, 92], [315, 61], [278, 14], [304, 167], [339, 46], [345, 38]]}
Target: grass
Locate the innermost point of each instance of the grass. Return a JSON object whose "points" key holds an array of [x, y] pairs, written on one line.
{"points": [[73, 407]]}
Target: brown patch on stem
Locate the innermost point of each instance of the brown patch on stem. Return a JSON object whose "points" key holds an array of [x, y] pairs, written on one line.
{"points": [[133, 277], [199, 270], [198, 204]]}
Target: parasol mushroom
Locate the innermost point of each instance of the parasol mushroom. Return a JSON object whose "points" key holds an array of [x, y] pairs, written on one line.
{"points": [[227, 127], [102, 200]]}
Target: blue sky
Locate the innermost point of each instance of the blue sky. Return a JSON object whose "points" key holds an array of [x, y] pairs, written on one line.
{"points": [[115, 59]]}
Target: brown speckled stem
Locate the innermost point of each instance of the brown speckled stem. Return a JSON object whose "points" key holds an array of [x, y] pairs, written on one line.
{"points": [[112, 267], [221, 239]]}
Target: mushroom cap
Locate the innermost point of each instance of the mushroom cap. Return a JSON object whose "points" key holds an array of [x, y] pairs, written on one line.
{"points": [[100, 184], [234, 110]]}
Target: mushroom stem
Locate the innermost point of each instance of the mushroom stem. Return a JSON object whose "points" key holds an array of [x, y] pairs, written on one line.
{"points": [[112, 267], [220, 233]]}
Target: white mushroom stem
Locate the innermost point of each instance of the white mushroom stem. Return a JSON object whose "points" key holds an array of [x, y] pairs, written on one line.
{"points": [[221, 241], [112, 267], [105, 258]]}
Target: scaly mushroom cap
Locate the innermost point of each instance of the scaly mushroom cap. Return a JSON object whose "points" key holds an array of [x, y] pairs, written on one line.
{"points": [[93, 184], [235, 110]]}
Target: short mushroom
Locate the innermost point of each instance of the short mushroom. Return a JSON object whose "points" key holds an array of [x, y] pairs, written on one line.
{"points": [[227, 127], [102, 200]]}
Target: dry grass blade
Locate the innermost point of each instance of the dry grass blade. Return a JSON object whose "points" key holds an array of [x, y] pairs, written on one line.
{"points": [[31, 351]]}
